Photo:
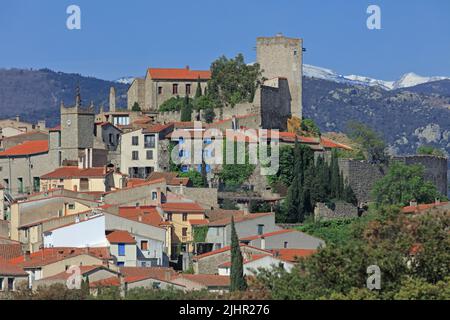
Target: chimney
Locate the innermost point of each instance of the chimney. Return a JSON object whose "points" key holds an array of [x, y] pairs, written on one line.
{"points": [[112, 100], [234, 123], [437, 201], [187, 67], [413, 203], [181, 188], [27, 256], [245, 209], [159, 196], [263, 243], [140, 218], [17, 118], [41, 124]]}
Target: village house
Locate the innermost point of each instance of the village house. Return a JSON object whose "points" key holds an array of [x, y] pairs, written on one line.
{"points": [[79, 179], [210, 282], [22, 166], [13, 127], [161, 84], [11, 276], [144, 151], [253, 263], [283, 239], [12, 141]]}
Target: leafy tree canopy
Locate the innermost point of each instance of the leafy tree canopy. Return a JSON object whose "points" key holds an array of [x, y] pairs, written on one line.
{"points": [[370, 140], [430, 150]]}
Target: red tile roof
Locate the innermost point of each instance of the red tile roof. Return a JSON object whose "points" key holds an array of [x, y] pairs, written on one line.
{"points": [[133, 274], [328, 143], [10, 251], [47, 256], [157, 128], [57, 128], [224, 249], [145, 214], [188, 207], [75, 172], [65, 275], [270, 234], [208, 280], [227, 220], [291, 255], [26, 148], [108, 282], [178, 74], [9, 269], [422, 207], [119, 236], [198, 222]]}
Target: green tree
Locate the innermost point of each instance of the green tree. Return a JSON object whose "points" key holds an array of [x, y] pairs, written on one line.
{"points": [[430, 150], [172, 104], [403, 184], [310, 126], [233, 81], [209, 115], [186, 110], [371, 141], [136, 107], [237, 278]]}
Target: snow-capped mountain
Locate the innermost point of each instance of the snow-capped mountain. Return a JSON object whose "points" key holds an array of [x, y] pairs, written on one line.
{"points": [[125, 80], [406, 81]]}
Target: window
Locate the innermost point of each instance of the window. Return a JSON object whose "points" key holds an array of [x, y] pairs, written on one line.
{"points": [[184, 232], [169, 217], [260, 229], [36, 184], [175, 88], [185, 216], [60, 158], [156, 285], [71, 206], [149, 141], [160, 90], [111, 138], [121, 120], [135, 141], [154, 195], [120, 264], [149, 154], [148, 171], [84, 184], [10, 284], [121, 249], [135, 155], [295, 52], [188, 88], [20, 185], [285, 244], [144, 245]]}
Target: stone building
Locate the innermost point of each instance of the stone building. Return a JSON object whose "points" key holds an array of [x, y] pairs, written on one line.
{"points": [[161, 84]]}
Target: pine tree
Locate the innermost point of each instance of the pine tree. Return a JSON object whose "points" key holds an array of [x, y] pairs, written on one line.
{"points": [[237, 279]]}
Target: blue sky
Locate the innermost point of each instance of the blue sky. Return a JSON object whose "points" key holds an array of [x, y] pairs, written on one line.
{"points": [[123, 38]]}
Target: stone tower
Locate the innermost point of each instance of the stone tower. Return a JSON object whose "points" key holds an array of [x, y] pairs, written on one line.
{"points": [[77, 125], [112, 100], [280, 56]]}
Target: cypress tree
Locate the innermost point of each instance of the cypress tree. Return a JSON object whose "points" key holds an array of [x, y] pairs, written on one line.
{"points": [[293, 199], [237, 279], [186, 110], [198, 92]]}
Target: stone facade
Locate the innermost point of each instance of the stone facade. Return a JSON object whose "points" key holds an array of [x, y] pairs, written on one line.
{"points": [[435, 169], [280, 56], [341, 211]]}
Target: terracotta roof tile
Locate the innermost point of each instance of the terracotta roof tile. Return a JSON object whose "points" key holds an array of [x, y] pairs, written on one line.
{"points": [[268, 235], [47, 256], [422, 207], [10, 251], [119, 236], [227, 220], [65, 275], [225, 249], [26, 148], [9, 269], [252, 258], [75, 172], [178, 74], [133, 274], [157, 128], [108, 282], [145, 214], [208, 280], [182, 207], [291, 255]]}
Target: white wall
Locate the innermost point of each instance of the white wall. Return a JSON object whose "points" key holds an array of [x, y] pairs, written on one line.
{"points": [[89, 233], [251, 267]]}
